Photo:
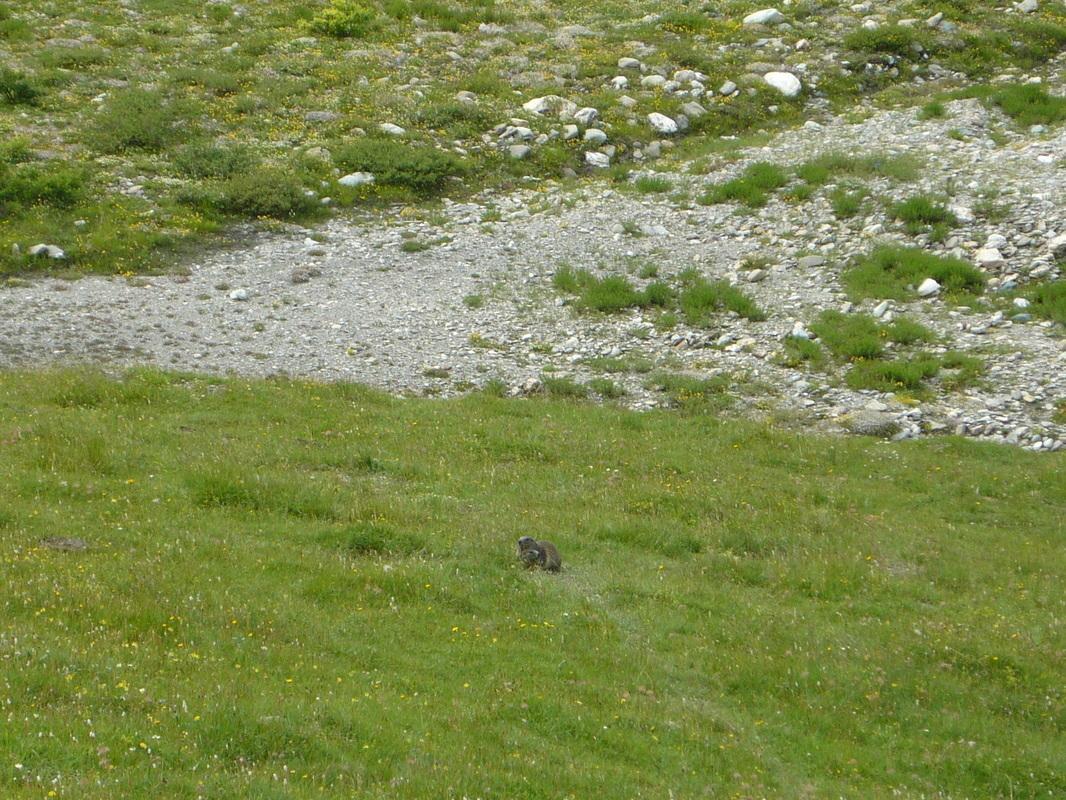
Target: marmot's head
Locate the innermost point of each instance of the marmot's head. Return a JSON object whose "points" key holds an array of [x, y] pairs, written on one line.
{"points": [[527, 543]]}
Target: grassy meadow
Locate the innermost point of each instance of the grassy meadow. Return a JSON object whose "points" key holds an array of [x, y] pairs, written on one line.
{"points": [[295, 590]]}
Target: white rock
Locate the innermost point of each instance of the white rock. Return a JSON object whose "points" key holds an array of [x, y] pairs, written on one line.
{"points": [[652, 81], [551, 104], [881, 309], [1021, 302], [619, 82], [1028, 6], [661, 123], [519, 151], [586, 116], [768, 16], [962, 213], [785, 82], [597, 160], [996, 240], [727, 88], [356, 179], [628, 63], [570, 132], [48, 250], [928, 288], [239, 295], [989, 258], [800, 332], [595, 136], [391, 130], [626, 101]]}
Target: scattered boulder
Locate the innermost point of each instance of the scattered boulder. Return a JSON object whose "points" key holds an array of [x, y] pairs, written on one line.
{"points": [[768, 16], [785, 82], [871, 423], [661, 123], [48, 250], [356, 179], [551, 104], [928, 288], [597, 160], [391, 129], [519, 151]]}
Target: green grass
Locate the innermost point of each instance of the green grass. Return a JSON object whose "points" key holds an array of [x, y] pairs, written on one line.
{"points": [[800, 351], [893, 272], [850, 336], [893, 376], [933, 110], [846, 204], [1030, 104], [700, 298], [1048, 300], [297, 590], [751, 189], [921, 212], [833, 166], [653, 184], [905, 331]]}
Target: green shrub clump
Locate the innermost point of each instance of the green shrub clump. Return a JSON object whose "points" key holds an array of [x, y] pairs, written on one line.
{"points": [[701, 297], [135, 119], [423, 170], [267, 193], [16, 89], [345, 19]]}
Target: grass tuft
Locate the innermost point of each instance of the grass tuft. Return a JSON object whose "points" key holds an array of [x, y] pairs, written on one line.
{"points": [[893, 272]]}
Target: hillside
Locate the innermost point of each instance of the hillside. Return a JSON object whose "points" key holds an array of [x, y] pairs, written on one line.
{"points": [[304, 590]]}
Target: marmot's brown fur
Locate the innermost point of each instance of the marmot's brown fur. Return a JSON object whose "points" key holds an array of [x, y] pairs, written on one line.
{"points": [[539, 554]]}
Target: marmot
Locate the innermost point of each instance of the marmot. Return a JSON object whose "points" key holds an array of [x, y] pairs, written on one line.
{"points": [[539, 554]]}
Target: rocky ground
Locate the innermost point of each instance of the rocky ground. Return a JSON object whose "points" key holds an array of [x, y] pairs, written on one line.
{"points": [[346, 302]]}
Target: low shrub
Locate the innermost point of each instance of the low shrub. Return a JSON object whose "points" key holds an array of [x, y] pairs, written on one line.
{"points": [[135, 119], [202, 160], [345, 19], [267, 193], [421, 169], [17, 90]]}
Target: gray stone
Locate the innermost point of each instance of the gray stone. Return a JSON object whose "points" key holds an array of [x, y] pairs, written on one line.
{"points": [[595, 136], [871, 423], [628, 63], [391, 129], [652, 81], [693, 110], [597, 160], [519, 151], [808, 262], [240, 295], [727, 88], [321, 116], [586, 116]]}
